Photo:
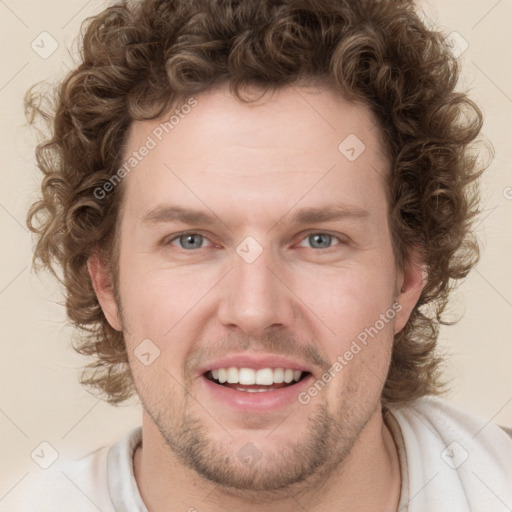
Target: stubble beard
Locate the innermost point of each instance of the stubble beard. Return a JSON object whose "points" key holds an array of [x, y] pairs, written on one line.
{"points": [[298, 467]]}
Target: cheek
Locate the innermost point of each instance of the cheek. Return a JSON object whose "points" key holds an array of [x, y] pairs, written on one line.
{"points": [[347, 300], [357, 325], [155, 298], [166, 306]]}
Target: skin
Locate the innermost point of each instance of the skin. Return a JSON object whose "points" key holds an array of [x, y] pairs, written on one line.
{"points": [[253, 166]]}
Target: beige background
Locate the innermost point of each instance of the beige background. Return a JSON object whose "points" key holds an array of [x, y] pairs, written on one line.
{"points": [[41, 399]]}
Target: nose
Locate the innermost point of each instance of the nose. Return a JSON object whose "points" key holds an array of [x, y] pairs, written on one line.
{"points": [[256, 297]]}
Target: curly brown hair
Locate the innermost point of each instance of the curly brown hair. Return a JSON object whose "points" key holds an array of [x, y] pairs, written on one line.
{"points": [[139, 58]]}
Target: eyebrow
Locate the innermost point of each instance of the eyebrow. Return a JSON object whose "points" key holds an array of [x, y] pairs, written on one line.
{"points": [[332, 212]]}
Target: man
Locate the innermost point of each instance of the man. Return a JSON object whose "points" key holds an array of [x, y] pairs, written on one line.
{"points": [[259, 208]]}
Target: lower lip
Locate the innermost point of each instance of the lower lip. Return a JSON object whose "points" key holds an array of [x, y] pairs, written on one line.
{"points": [[264, 401]]}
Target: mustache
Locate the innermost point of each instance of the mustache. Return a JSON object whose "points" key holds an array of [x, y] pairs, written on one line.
{"points": [[278, 343]]}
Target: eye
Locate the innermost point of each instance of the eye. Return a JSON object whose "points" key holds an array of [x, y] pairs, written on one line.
{"points": [[193, 240], [187, 241], [321, 240]]}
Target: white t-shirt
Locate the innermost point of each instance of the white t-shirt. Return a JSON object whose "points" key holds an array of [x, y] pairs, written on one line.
{"points": [[451, 460]]}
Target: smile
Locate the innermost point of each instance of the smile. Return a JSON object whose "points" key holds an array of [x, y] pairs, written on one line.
{"points": [[254, 381]]}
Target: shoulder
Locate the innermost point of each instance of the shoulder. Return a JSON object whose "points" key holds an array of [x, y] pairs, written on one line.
{"points": [[79, 485], [449, 420], [456, 454]]}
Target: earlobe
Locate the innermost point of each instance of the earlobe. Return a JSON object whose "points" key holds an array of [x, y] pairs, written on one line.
{"points": [[102, 284], [410, 285]]}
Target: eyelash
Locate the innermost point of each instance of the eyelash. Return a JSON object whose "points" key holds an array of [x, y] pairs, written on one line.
{"points": [[167, 242]]}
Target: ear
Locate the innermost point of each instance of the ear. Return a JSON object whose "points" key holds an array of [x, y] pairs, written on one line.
{"points": [[102, 283], [410, 283]]}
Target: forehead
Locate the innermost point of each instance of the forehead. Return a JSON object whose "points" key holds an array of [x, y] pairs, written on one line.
{"points": [[295, 145]]}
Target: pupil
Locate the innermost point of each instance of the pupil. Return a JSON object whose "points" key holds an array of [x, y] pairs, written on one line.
{"points": [[188, 238], [320, 236]]}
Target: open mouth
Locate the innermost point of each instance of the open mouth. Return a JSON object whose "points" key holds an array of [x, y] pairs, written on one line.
{"points": [[256, 381]]}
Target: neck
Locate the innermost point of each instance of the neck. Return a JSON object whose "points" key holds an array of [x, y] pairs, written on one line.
{"points": [[368, 479]]}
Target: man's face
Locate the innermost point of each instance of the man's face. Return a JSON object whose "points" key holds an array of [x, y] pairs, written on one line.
{"points": [[259, 287]]}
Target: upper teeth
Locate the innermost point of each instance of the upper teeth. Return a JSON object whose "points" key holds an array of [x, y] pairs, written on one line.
{"points": [[248, 376]]}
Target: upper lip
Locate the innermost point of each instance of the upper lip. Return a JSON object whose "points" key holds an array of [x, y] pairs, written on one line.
{"points": [[256, 362]]}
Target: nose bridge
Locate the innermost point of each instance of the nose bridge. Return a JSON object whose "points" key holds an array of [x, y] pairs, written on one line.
{"points": [[255, 298]]}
